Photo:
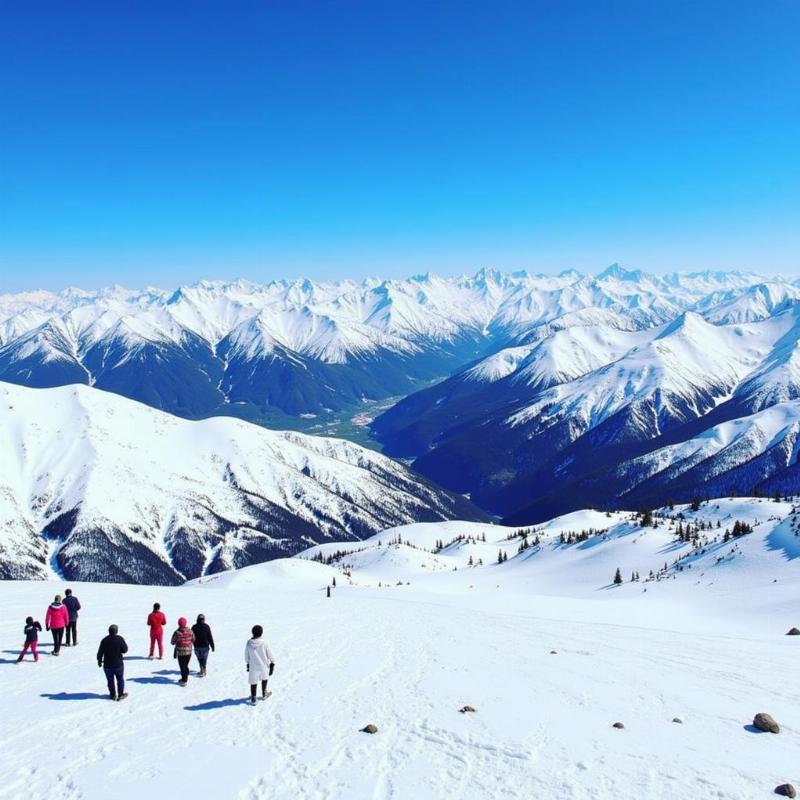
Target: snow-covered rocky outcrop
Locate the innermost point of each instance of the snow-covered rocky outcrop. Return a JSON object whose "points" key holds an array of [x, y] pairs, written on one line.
{"points": [[97, 487]]}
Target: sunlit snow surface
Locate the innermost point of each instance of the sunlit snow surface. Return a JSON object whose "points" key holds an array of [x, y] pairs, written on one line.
{"points": [[705, 644]]}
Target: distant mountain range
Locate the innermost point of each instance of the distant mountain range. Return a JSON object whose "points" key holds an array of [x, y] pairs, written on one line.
{"points": [[305, 348], [607, 414], [532, 394], [96, 487]]}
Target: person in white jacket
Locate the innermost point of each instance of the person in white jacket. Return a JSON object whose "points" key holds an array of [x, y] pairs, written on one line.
{"points": [[260, 663]]}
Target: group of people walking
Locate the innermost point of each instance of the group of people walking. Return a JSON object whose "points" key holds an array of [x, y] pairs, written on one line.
{"points": [[59, 617], [63, 616]]}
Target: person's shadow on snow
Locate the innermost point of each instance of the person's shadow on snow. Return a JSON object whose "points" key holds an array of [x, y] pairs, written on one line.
{"points": [[151, 680], [75, 696], [212, 704]]}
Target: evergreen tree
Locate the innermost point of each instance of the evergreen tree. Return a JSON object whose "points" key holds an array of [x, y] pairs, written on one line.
{"points": [[617, 577]]}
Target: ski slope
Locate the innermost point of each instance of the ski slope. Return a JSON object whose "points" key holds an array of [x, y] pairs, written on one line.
{"points": [[407, 656]]}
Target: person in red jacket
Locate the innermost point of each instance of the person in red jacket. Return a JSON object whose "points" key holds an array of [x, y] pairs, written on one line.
{"points": [[56, 620], [156, 620]]}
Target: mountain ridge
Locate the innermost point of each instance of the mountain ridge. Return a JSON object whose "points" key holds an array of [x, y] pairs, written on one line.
{"points": [[98, 487], [217, 334]]}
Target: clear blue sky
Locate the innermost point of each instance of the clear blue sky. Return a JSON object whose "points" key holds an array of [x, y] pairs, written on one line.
{"points": [[160, 142]]}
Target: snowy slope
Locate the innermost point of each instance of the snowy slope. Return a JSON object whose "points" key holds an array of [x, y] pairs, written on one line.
{"points": [[549, 656], [438, 555], [99, 487]]}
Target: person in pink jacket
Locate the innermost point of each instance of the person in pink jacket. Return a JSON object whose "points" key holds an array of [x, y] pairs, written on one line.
{"points": [[156, 620], [56, 620]]}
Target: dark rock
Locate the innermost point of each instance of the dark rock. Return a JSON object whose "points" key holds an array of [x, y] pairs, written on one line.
{"points": [[370, 728], [553, 652], [764, 722], [618, 725], [466, 710], [786, 790], [678, 720], [793, 632]]}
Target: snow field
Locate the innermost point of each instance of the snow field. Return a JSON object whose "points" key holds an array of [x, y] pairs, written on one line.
{"points": [[407, 659]]}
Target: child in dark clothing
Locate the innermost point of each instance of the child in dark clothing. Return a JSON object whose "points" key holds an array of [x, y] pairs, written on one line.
{"points": [[32, 630]]}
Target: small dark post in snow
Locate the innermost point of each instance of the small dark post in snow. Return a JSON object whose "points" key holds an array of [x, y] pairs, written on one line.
{"points": [[329, 590]]}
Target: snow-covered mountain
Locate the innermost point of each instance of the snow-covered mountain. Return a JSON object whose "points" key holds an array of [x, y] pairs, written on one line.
{"points": [[571, 418], [519, 390], [301, 348], [97, 487]]}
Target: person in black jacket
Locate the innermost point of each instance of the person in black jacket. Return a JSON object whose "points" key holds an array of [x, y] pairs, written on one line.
{"points": [[73, 606], [110, 657], [31, 631], [203, 642]]}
